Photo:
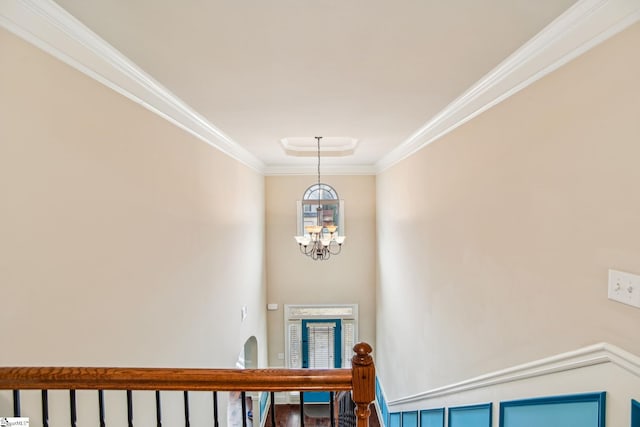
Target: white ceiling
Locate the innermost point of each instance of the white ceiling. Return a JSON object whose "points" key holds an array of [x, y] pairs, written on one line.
{"points": [[378, 71], [374, 70]]}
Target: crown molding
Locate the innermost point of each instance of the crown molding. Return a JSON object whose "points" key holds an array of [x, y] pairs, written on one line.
{"points": [[285, 170], [587, 356], [583, 26], [52, 29]]}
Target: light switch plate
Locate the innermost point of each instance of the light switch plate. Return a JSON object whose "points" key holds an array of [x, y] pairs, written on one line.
{"points": [[624, 287]]}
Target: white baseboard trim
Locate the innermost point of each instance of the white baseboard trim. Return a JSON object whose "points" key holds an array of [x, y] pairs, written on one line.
{"points": [[584, 357]]}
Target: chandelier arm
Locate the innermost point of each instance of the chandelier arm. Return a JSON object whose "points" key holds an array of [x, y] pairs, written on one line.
{"points": [[315, 253], [322, 254], [339, 248]]}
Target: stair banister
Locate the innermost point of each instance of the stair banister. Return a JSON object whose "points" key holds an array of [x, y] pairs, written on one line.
{"points": [[360, 380]]}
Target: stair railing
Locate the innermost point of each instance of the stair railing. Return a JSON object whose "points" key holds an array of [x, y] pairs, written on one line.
{"points": [[360, 380]]}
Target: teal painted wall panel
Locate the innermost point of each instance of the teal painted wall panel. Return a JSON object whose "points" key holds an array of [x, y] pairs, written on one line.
{"points": [[470, 416], [394, 419], [263, 404], [554, 415], [635, 413], [582, 410], [432, 418], [410, 419], [382, 404]]}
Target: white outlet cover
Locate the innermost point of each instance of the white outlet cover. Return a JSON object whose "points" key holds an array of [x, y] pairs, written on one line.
{"points": [[624, 287]]}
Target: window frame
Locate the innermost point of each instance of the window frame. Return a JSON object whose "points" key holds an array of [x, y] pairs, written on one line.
{"points": [[307, 200], [292, 318]]}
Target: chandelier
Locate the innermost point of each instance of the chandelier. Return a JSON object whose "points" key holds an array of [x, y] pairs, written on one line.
{"points": [[320, 240]]}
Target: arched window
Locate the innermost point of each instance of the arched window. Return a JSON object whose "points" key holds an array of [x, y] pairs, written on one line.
{"points": [[320, 205]]}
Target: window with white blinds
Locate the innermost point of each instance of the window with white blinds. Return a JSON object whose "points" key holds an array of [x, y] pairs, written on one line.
{"points": [[321, 338], [295, 344], [348, 341]]}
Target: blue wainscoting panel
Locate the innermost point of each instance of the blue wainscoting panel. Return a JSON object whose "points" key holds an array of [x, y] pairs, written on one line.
{"points": [[263, 404], [580, 410], [394, 419], [470, 416], [410, 419], [635, 413], [382, 404], [432, 418]]}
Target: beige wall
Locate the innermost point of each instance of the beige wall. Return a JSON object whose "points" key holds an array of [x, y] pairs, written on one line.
{"points": [[126, 241], [296, 279], [494, 242], [123, 239]]}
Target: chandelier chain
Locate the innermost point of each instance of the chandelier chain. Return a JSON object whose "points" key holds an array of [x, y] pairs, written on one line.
{"points": [[320, 240], [318, 138]]}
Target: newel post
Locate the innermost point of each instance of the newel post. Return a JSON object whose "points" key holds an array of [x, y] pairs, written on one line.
{"points": [[363, 382]]}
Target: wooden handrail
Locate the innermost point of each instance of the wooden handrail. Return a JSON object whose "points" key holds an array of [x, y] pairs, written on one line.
{"points": [[360, 379], [52, 378]]}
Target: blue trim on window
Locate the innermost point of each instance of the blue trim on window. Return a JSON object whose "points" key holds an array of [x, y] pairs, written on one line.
{"points": [[395, 420], [635, 413], [321, 396], [598, 398], [471, 416], [337, 341], [432, 417], [410, 419]]}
